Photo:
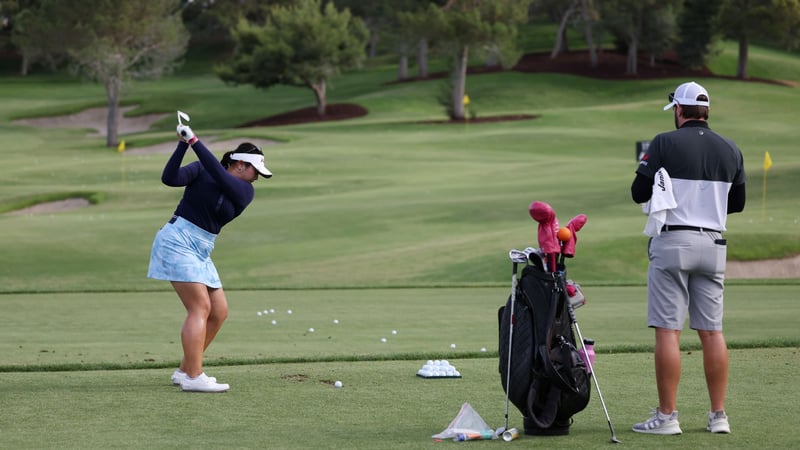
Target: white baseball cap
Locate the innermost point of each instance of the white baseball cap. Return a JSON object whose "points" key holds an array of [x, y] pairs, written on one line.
{"points": [[255, 160], [687, 95]]}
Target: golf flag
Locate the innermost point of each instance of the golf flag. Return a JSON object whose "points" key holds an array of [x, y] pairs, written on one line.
{"points": [[767, 165], [121, 146]]}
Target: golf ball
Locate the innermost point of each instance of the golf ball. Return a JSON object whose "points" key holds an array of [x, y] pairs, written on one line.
{"points": [[383, 339], [335, 320], [394, 331], [310, 330], [452, 345], [337, 384], [259, 313], [271, 310], [564, 234], [483, 349], [274, 322], [266, 311], [289, 311]]}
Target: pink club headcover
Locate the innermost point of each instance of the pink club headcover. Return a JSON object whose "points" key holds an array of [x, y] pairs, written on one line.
{"points": [[574, 225], [548, 226]]}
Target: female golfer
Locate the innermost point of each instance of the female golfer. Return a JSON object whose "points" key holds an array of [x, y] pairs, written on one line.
{"points": [[215, 193]]}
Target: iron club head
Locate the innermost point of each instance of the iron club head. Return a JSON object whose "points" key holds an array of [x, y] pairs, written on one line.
{"points": [[517, 256], [184, 116]]}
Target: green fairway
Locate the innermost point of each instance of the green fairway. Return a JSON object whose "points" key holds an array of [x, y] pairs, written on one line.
{"points": [[380, 201]]}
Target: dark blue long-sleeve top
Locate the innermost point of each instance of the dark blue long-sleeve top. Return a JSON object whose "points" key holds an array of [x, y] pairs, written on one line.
{"points": [[212, 197]]}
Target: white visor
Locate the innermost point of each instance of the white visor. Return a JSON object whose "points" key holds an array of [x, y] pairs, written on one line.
{"points": [[255, 160]]}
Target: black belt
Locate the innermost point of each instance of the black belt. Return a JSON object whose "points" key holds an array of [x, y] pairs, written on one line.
{"points": [[687, 228], [173, 219]]}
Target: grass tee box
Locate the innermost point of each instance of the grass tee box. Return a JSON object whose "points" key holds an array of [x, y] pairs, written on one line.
{"points": [[382, 405], [141, 330]]}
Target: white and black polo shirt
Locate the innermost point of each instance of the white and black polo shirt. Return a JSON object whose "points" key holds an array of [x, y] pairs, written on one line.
{"points": [[703, 166]]}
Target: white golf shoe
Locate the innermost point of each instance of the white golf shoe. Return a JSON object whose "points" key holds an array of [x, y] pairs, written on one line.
{"points": [[180, 375], [718, 422], [203, 384]]}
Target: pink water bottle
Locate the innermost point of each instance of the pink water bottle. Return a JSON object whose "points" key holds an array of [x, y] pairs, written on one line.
{"points": [[588, 351]]}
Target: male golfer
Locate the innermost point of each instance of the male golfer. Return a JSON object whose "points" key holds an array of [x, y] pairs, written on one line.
{"points": [[687, 253]]}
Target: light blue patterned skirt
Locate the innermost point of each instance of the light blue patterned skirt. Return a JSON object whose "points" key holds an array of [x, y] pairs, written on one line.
{"points": [[182, 252]]}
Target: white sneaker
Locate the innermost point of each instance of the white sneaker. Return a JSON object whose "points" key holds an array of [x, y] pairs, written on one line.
{"points": [[180, 375], [659, 424], [718, 422], [202, 384]]}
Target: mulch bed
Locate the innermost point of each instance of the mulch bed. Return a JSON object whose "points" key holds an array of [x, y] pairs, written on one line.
{"points": [[336, 111]]}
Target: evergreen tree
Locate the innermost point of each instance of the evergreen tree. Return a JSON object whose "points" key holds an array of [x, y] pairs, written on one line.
{"points": [[107, 41], [698, 29], [300, 45]]}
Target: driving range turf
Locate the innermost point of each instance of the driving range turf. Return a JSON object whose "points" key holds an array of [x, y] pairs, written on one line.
{"points": [[91, 370], [383, 223]]}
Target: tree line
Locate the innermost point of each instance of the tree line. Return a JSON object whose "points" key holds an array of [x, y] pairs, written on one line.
{"points": [[307, 42]]}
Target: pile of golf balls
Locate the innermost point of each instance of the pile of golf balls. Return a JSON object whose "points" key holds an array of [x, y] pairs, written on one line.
{"points": [[438, 369]]}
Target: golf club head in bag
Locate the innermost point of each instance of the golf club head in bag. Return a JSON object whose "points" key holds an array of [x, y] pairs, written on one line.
{"points": [[574, 225], [543, 213], [536, 257], [517, 256]]}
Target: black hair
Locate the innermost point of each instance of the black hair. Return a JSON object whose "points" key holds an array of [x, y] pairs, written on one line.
{"points": [[244, 147]]}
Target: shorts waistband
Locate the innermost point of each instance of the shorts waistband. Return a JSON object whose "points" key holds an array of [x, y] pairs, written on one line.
{"points": [[687, 228]]}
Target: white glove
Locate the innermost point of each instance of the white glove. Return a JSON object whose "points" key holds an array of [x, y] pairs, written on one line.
{"points": [[186, 134]]}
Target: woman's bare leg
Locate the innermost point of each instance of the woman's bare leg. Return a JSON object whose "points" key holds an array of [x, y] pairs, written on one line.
{"points": [[197, 301], [219, 312]]}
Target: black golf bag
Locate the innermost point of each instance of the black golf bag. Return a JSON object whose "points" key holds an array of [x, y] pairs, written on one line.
{"points": [[549, 382]]}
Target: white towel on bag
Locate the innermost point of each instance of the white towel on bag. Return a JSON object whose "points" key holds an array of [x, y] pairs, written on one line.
{"points": [[662, 200]]}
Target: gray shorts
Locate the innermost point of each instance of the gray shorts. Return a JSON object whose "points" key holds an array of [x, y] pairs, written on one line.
{"points": [[686, 275]]}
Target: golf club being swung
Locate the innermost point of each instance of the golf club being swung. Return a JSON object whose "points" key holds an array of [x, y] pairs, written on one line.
{"points": [[184, 116]]}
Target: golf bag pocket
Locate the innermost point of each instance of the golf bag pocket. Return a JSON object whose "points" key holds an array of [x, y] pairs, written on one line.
{"points": [[574, 380]]}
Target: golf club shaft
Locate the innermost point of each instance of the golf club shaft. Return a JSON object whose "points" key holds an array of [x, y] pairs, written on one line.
{"points": [[594, 377], [510, 334]]}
